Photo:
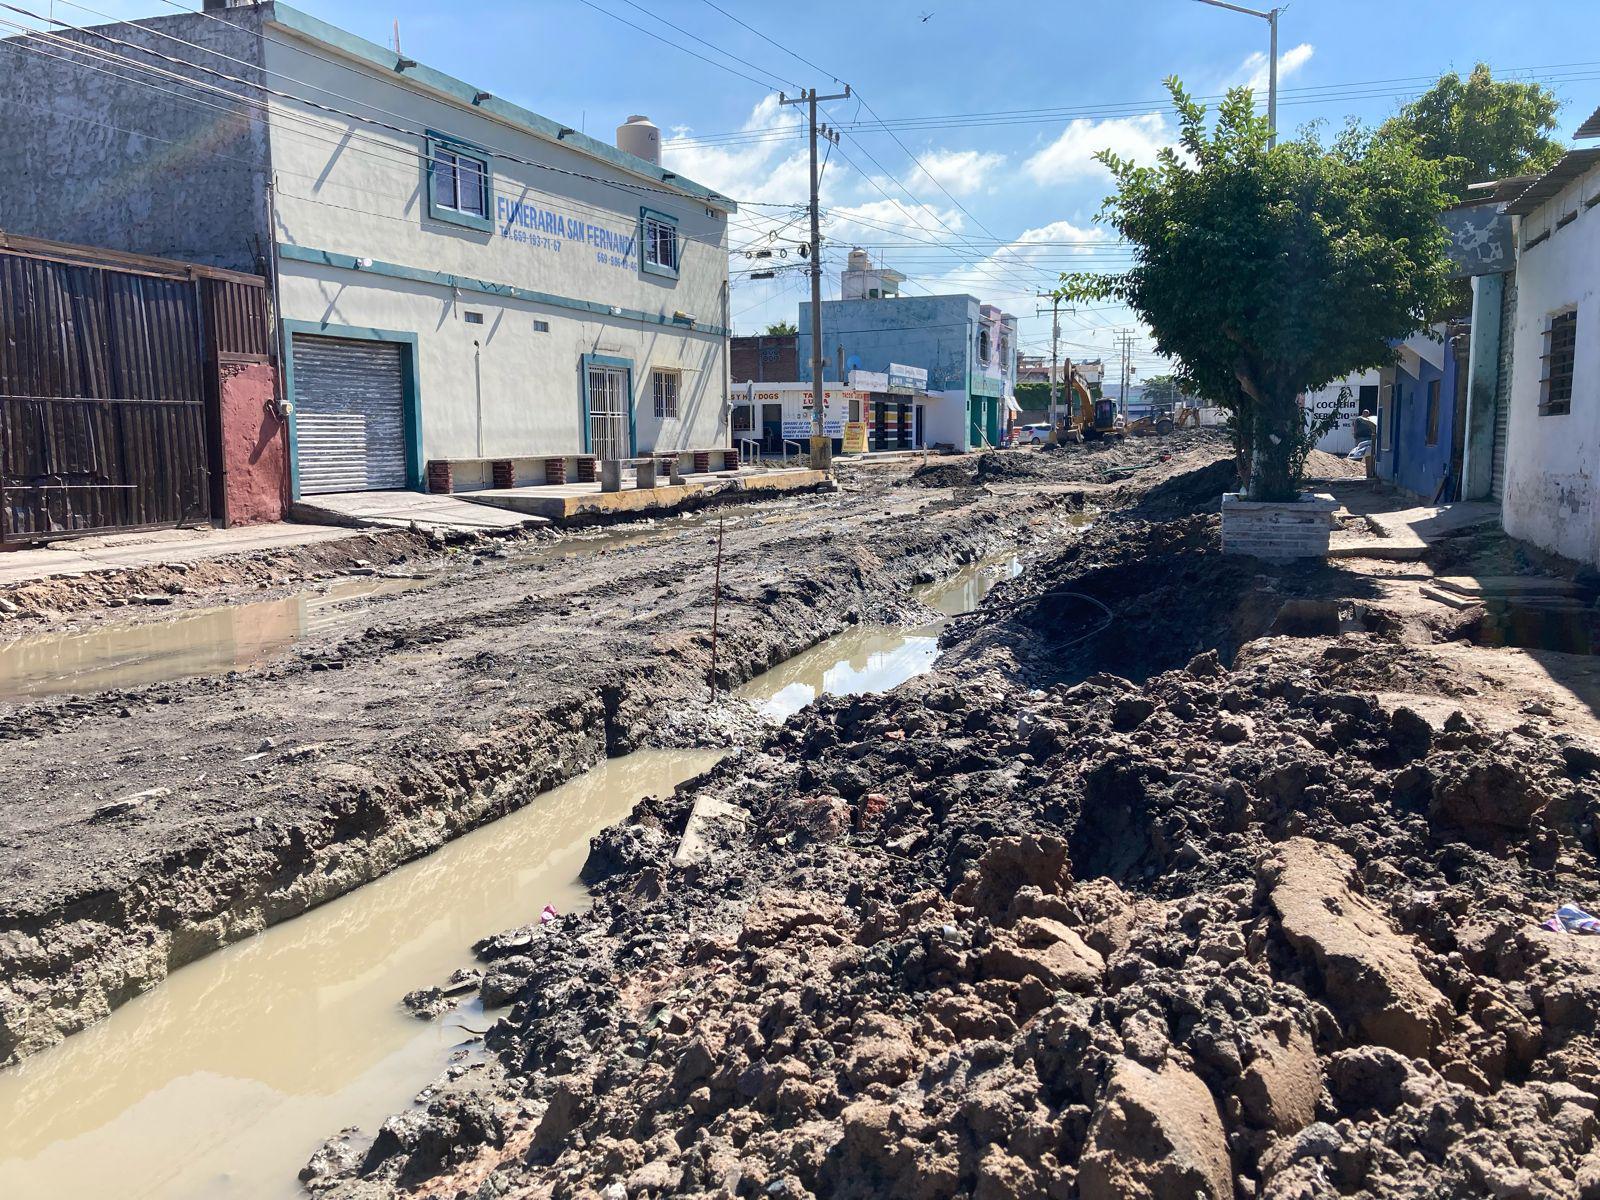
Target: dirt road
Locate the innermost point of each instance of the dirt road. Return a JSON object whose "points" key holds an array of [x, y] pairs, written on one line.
{"points": [[143, 828], [1027, 928]]}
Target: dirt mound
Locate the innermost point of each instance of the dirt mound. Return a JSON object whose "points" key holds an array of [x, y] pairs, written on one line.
{"points": [[1195, 937]]}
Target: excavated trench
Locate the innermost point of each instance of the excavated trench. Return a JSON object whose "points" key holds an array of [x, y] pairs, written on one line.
{"points": [[220, 1082]]}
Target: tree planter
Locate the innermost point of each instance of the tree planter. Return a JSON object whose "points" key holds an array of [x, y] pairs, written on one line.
{"points": [[1280, 530]]}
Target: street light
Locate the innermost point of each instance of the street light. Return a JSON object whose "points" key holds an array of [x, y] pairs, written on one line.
{"points": [[1271, 18]]}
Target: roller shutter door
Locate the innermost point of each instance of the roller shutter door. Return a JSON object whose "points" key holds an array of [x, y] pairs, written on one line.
{"points": [[350, 427], [1502, 388]]}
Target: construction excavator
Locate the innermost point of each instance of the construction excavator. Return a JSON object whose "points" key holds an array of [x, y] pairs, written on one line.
{"points": [[1088, 416]]}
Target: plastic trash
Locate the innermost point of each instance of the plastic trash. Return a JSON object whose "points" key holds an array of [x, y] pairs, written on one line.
{"points": [[550, 914], [1574, 920]]}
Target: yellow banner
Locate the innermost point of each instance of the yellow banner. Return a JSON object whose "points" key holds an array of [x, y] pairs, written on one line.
{"points": [[855, 437]]}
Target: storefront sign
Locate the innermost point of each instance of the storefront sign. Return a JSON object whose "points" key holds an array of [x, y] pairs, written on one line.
{"points": [[907, 379], [869, 381]]}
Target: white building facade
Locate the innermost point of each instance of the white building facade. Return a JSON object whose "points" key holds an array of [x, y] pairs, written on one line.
{"points": [[1552, 474], [467, 292]]}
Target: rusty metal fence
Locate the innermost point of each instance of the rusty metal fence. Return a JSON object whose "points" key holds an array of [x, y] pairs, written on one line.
{"points": [[107, 391]]}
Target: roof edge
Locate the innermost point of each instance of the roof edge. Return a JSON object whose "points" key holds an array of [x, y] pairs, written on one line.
{"points": [[314, 29]]}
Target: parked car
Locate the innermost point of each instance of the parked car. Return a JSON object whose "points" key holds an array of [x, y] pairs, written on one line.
{"points": [[1033, 434]]}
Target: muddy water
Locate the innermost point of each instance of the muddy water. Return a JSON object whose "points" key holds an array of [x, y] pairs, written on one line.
{"points": [[210, 641], [223, 1080], [873, 658]]}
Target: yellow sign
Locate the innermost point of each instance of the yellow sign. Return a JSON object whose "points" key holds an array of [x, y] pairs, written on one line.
{"points": [[855, 437]]}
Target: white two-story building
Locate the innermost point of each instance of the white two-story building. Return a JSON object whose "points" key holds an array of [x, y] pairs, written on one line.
{"points": [[465, 291]]}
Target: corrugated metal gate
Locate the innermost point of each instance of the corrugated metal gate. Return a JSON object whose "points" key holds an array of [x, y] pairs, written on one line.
{"points": [[102, 405], [349, 415]]}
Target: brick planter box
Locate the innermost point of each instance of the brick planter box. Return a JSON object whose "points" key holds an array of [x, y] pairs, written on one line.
{"points": [[1283, 530]]}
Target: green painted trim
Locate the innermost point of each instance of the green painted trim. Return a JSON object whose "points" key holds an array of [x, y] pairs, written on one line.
{"points": [[413, 395], [461, 149], [307, 26], [585, 361], [348, 262], [645, 265]]}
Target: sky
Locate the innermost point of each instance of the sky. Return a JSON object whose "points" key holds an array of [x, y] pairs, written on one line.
{"points": [[966, 157]]}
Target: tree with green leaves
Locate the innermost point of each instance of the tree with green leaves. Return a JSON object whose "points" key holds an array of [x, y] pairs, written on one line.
{"points": [[781, 329], [1481, 128], [1266, 273]]}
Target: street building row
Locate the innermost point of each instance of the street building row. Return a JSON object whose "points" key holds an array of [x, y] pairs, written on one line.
{"points": [[1502, 403]]}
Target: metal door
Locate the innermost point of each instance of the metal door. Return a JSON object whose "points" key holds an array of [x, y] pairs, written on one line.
{"points": [[608, 413], [350, 428]]}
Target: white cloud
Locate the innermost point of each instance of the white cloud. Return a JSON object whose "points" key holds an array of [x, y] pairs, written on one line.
{"points": [[961, 172], [773, 169], [1035, 254], [1071, 157], [1253, 71]]}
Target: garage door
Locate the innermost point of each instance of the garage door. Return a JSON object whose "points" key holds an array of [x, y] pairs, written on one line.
{"points": [[350, 426]]}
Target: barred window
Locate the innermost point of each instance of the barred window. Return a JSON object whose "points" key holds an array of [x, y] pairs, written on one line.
{"points": [[1560, 347], [665, 386]]}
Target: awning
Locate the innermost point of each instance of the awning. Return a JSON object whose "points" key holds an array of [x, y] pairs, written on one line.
{"points": [[1012, 406]]}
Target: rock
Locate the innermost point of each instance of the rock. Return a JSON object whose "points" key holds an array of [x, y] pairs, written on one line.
{"points": [[1367, 969], [8, 606], [1206, 666], [1280, 1086], [1233, 729], [339, 1156], [1157, 1135], [1009, 864], [123, 805], [1368, 1078], [1410, 733], [1491, 795], [1129, 712]]}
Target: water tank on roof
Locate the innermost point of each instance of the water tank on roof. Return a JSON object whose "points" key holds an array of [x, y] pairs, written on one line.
{"points": [[859, 261], [639, 137]]}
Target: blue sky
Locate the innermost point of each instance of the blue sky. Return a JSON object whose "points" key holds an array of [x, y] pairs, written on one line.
{"points": [[999, 204]]}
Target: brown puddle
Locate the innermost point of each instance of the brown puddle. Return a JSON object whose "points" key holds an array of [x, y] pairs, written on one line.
{"points": [[207, 642], [873, 658], [223, 1080]]}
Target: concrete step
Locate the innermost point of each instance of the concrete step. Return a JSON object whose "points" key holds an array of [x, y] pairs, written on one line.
{"points": [[448, 515]]}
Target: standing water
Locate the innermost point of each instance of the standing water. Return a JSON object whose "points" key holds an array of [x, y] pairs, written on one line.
{"points": [[222, 1081]]}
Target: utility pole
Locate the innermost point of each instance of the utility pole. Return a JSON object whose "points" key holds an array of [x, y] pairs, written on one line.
{"points": [[1270, 16], [1055, 343], [821, 447]]}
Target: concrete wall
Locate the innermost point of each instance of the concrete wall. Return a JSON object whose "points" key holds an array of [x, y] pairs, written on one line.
{"points": [[1552, 462], [92, 158], [255, 445], [353, 199]]}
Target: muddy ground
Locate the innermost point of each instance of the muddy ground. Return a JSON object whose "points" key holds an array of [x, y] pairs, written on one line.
{"points": [[1238, 895], [143, 828]]}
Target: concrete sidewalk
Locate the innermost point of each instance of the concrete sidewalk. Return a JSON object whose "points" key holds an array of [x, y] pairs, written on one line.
{"points": [[1395, 533], [567, 501], [431, 513], [154, 548]]}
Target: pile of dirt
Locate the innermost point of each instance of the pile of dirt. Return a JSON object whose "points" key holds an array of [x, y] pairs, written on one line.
{"points": [[1253, 932], [1322, 465]]}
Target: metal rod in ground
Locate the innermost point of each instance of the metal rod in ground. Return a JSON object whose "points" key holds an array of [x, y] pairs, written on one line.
{"points": [[716, 605]]}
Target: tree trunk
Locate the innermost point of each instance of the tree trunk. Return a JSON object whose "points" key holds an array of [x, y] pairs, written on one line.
{"points": [[1276, 432]]}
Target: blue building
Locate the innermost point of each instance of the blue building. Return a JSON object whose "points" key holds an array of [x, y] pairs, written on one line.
{"points": [[967, 348], [1421, 402]]}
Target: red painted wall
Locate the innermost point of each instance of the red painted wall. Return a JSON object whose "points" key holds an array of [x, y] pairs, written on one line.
{"points": [[255, 445]]}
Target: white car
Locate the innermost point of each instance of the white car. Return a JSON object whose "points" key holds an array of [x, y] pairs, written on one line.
{"points": [[1036, 434]]}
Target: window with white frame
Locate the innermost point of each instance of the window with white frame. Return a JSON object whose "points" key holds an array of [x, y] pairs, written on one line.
{"points": [[1560, 349], [659, 236], [665, 386], [458, 183]]}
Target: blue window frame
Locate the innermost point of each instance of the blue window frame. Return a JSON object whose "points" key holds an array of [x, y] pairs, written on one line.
{"points": [[659, 246], [460, 182]]}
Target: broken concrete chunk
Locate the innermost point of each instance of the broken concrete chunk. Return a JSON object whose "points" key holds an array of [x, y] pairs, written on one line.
{"points": [[1157, 1135], [133, 802], [1280, 1086], [1367, 968]]}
